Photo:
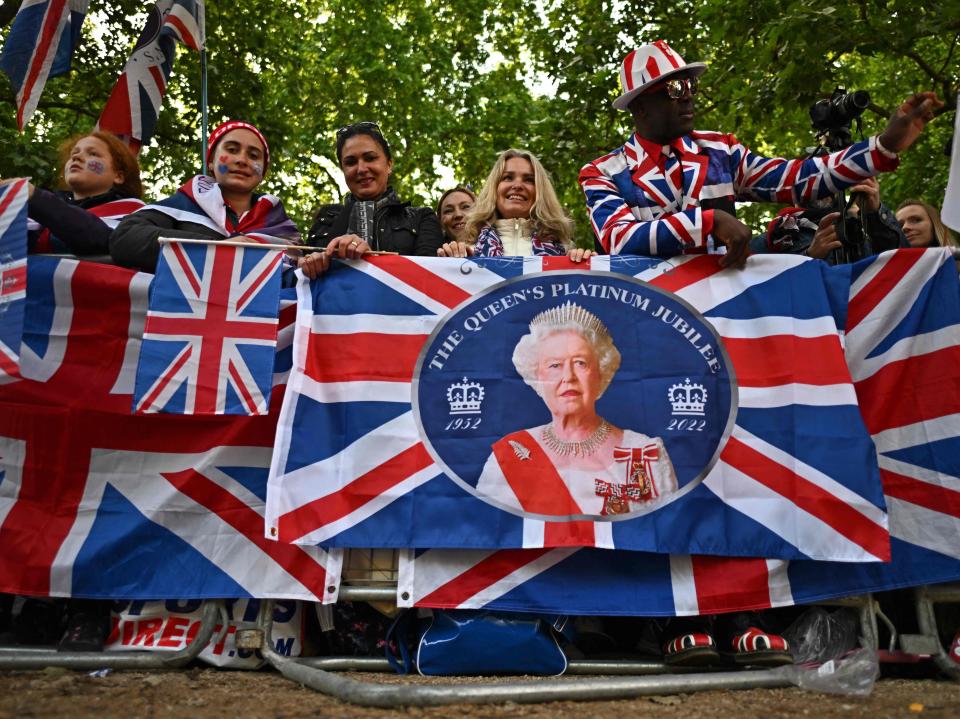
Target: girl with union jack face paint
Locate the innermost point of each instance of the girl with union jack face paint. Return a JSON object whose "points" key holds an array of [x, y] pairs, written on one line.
{"points": [[99, 184], [220, 205]]}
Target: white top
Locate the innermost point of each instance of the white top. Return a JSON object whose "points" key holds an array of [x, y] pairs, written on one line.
{"points": [[582, 482], [516, 236]]}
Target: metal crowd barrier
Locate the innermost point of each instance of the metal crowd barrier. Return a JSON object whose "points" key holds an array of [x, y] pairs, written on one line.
{"points": [[319, 675], [928, 641], [608, 678], [39, 658]]}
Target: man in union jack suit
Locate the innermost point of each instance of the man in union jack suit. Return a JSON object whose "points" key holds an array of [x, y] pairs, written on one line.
{"points": [[670, 189]]}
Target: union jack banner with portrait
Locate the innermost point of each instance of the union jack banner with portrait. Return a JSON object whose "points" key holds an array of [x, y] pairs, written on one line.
{"points": [[902, 347], [13, 275], [417, 414], [211, 330]]}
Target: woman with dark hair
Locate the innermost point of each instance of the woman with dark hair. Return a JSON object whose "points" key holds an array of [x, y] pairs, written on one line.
{"points": [[219, 206], [372, 217], [100, 184], [453, 208]]}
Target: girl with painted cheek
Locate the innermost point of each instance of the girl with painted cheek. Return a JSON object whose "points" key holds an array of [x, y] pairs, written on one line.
{"points": [[221, 205], [99, 180], [372, 216], [517, 214]]}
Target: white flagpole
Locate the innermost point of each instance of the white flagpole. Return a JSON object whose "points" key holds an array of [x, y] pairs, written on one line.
{"points": [[235, 243]]}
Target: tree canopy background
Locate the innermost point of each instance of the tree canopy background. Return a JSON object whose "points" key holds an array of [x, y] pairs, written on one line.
{"points": [[452, 84]]}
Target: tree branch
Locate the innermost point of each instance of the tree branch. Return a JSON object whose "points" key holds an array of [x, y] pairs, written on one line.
{"points": [[333, 182], [936, 76], [923, 65], [953, 46]]}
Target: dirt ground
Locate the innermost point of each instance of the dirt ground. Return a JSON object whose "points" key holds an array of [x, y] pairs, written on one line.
{"points": [[209, 693]]}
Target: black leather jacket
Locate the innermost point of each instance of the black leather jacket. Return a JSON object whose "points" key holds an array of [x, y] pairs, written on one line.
{"points": [[398, 227]]}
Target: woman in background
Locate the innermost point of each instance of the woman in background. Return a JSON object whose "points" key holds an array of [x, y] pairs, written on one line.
{"points": [[922, 225], [453, 209]]}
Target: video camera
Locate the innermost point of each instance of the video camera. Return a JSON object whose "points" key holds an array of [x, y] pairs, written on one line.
{"points": [[833, 121], [839, 112]]}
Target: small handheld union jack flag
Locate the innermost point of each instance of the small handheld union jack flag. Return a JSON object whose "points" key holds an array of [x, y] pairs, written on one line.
{"points": [[13, 275], [211, 331]]}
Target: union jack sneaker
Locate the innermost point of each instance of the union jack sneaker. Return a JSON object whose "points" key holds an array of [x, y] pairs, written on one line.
{"points": [[691, 650], [757, 648]]}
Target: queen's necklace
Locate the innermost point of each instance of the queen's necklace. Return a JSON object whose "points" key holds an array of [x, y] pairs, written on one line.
{"points": [[580, 448]]}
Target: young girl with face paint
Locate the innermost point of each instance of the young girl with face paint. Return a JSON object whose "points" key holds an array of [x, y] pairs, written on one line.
{"points": [[220, 205], [100, 184]]}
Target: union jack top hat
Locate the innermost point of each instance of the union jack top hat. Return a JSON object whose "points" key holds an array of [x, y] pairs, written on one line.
{"points": [[649, 64]]}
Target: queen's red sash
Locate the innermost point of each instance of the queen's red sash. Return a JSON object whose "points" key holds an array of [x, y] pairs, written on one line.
{"points": [[541, 490]]}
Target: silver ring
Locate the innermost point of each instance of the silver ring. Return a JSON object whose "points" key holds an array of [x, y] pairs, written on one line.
{"points": [[354, 243]]}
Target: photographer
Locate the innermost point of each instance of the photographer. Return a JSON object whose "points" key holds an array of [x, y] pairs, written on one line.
{"points": [[869, 228]]}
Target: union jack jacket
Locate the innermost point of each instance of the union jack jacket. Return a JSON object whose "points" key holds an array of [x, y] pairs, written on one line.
{"points": [[643, 206]]}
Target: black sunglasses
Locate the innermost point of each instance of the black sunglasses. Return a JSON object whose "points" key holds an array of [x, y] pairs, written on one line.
{"points": [[361, 126]]}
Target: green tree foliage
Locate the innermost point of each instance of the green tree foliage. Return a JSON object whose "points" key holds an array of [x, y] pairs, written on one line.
{"points": [[452, 84]]}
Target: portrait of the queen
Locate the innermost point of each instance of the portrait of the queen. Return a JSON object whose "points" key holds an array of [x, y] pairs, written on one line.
{"points": [[578, 463]]}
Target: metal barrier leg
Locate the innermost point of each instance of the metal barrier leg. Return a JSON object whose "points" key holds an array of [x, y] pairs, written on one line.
{"points": [[544, 690], [926, 597], [867, 609], [29, 658]]}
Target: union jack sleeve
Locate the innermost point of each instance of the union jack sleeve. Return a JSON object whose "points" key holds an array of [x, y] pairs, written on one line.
{"points": [[800, 181], [635, 208]]}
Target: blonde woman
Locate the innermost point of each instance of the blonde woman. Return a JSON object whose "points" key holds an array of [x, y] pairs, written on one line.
{"points": [[922, 225], [517, 214]]}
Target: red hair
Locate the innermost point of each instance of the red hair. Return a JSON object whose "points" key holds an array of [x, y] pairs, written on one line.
{"points": [[124, 161]]}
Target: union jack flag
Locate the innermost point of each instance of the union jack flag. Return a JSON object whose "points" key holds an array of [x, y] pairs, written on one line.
{"points": [[134, 104], [211, 331], [97, 503], [351, 468], [13, 275], [39, 46], [902, 346], [638, 208]]}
